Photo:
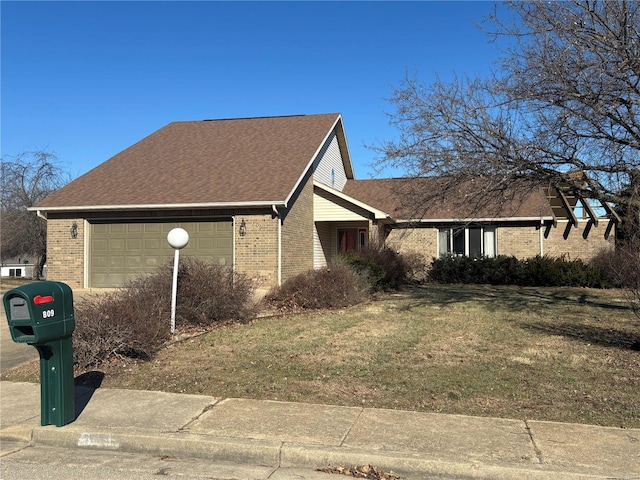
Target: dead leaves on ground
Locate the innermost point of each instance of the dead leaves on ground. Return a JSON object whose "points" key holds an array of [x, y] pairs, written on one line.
{"points": [[365, 471]]}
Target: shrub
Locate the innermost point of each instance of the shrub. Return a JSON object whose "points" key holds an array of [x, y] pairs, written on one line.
{"points": [[209, 293], [556, 272], [383, 267], [134, 322], [621, 267], [452, 269], [446, 269], [614, 266], [336, 286], [507, 271], [417, 267], [368, 268], [504, 270]]}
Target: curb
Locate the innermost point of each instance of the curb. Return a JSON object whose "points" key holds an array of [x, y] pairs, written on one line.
{"points": [[17, 433], [234, 450], [276, 454]]}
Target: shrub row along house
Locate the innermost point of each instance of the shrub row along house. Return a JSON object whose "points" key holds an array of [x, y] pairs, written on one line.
{"points": [[275, 196]]}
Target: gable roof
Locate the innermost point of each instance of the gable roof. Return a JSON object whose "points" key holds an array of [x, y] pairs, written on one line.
{"points": [[233, 162], [339, 200], [440, 199]]}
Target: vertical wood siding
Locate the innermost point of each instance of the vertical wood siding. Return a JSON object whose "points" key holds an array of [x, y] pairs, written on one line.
{"points": [[331, 161]]}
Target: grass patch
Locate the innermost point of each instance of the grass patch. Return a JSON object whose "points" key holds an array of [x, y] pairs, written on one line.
{"points": [[557, 354], [7, 283]]}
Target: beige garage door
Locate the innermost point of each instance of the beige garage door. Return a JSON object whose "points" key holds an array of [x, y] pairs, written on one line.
{"points": [[121, 251]]}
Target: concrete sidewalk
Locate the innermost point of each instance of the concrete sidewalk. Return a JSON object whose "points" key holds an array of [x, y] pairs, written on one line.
{"points": [[293, 435]]}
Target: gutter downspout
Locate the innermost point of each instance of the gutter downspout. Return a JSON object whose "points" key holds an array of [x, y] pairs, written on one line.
{"points": [[541, 238], [277, 215], [41, 215], [86, 253]]}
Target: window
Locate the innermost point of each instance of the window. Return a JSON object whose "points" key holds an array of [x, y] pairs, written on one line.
{"points": [[352, 240], [362, 237], [472, 241], [15, 272]]}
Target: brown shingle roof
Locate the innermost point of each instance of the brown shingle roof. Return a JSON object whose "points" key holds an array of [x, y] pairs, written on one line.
{"points": [[431, 198], [253, 160]]}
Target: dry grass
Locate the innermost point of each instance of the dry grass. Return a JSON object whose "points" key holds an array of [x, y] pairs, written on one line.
{"points": [[7, 283], [556, 354]]}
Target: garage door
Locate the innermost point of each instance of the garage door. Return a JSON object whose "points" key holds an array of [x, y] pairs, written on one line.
{"points": [[121, 251]]}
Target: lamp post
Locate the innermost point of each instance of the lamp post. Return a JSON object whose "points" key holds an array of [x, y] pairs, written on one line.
{"points": [[178, 238]]}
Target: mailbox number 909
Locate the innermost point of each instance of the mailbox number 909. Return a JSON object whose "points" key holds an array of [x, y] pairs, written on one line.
{"points": [[48, 313]]}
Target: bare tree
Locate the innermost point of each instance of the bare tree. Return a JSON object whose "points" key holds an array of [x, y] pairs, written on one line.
{"points": [[562, 109], [27, 178]]}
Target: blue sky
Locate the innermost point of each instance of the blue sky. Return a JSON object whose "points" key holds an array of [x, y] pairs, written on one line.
{"points": [[86, 80]]}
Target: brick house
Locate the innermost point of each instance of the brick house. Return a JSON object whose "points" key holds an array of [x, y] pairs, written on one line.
{"points": [[271, 197], [434, 217]]}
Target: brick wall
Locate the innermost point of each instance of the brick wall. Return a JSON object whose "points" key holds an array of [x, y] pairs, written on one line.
{"points": [[423, 241], [297, 234], [576, 245], [257, 251], [518, 241], [376, 233], [65, 255], [521, 241]]}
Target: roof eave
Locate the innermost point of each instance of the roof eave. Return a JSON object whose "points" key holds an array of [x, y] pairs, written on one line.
{"points": [[543, 218], [342, 144], [159, 206], [377, 214]]}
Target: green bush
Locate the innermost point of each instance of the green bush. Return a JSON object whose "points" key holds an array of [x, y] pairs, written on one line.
{"points": [[559, 272], [452, 269], [336, 286], [134, 322], [505, 270]]}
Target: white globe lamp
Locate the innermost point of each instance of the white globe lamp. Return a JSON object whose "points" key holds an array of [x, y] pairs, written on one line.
{"points": [[178, 238]]}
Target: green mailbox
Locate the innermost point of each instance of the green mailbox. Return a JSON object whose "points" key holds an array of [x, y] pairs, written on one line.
{"points": [[41, 314]]}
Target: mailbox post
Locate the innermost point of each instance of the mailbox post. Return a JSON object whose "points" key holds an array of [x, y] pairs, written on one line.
{"points": [[41, 314]]}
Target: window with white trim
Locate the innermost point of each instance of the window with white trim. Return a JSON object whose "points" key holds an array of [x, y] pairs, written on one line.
{"points": [[471, 241]]}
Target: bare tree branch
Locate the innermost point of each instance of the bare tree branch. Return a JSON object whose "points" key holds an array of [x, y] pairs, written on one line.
{"points": [[566, 99], [27, 178]]}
